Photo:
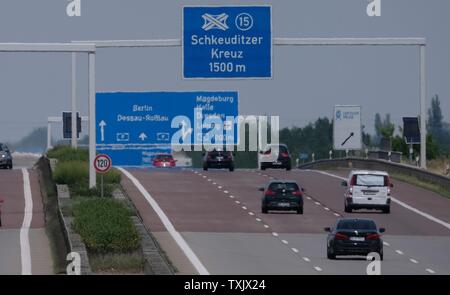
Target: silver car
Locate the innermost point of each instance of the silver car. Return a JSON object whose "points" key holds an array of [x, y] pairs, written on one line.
{"points": [[5, 157]]}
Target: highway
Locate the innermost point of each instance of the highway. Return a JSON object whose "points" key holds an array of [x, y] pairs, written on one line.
{"points": [[218, 227], [24, 246]]}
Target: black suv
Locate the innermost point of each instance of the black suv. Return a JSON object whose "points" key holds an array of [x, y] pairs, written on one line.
{"points": [[5, 157], [282, 195], [354, 237], [218, 159]]}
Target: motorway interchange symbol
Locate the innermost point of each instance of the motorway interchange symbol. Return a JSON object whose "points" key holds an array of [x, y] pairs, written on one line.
{"points": [[215, 21]]}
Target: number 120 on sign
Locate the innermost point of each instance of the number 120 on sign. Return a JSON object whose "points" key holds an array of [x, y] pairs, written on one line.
{"points": [[102, 163]]}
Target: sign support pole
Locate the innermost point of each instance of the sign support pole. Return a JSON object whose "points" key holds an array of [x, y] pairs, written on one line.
{"points": [[74, 101], [92, 131], [423, 127]]}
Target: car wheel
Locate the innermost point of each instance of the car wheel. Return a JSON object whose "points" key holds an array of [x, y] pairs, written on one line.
{"points": [[264, 210], [387, 210], [348, 209], [300, 210], [381, 255], [205, 168], [231, 168], [263, 167], [330, 255], [10, 166]]}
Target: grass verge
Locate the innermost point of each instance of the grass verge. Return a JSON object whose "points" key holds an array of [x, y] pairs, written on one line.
{"points": [[421, 183], [117, 263]]}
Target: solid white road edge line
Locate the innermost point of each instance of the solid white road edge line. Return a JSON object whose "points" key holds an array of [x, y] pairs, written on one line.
{"points": [[169, 226], [421, 213], [25, 252]]}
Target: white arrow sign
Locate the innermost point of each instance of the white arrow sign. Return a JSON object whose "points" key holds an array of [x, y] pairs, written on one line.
{"points": [[102, 129], [143, 136]]}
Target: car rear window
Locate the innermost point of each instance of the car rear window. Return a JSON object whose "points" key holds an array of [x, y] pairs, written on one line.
{"points": [[281, 149], [219, 153], [370, 180], [356, 224], [287, 186], [164, 157]]}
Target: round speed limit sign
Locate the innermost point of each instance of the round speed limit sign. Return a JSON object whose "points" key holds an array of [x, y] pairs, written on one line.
{"points": [[102, 163]]}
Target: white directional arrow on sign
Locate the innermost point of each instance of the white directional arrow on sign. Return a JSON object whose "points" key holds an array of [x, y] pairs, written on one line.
{"points": [[102, 129], [143, 136]]}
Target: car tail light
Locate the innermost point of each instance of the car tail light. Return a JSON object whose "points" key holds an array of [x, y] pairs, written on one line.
{"points": [[297, 193], [285, 155], [270, 192], [340, 236], [372, 237], [267, 152]]}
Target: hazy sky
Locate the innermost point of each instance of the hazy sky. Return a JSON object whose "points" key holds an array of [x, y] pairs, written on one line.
{"points": [[307, 83]]}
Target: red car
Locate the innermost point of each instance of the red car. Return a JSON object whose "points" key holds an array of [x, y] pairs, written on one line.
{"points": [[164, 160]]}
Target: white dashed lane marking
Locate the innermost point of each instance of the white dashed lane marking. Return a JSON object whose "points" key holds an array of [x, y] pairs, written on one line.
{"points": [[399, 252], [413, 261], [430, 270], [275, 234]]}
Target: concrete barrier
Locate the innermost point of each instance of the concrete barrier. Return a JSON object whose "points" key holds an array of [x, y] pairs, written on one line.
{"points": [[374, 164]]}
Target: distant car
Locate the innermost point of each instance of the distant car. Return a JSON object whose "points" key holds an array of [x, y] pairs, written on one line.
{"points": [[275, 156], [354, 237], [218, 159], [283, 195], [368, 190], [164, 160], [6, 160]]}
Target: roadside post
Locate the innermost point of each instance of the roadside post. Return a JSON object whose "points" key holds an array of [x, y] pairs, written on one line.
{"points": [[1, 202], [102, 165]]}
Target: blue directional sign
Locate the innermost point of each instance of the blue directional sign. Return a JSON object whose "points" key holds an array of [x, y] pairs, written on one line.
{"points": [[227, 42], [134, 126]]}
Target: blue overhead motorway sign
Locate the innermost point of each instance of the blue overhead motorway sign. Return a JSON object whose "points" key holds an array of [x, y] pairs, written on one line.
{"points": [[133, 126], [227, 42]]}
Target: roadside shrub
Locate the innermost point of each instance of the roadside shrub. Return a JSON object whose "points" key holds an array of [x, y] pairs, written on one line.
{"points": [[71, 173], [105, 226], [67, 153]]}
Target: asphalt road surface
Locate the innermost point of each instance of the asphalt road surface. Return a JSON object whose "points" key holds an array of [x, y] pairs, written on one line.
{"points": [[210, 222], [24, 247]]}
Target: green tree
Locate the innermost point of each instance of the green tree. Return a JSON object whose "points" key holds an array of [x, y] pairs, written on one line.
{"points": [[434, 124]]}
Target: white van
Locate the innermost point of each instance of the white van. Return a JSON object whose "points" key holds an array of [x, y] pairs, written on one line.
{"points": [[368, 190]]}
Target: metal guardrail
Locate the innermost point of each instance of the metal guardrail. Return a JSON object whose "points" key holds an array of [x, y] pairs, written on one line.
{"points": [[375, 164]]}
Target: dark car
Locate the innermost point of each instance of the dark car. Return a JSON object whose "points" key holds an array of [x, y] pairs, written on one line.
{"points": [[218, 159], [5, 157], [282, 195], [275, 156], [354, 237]]}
